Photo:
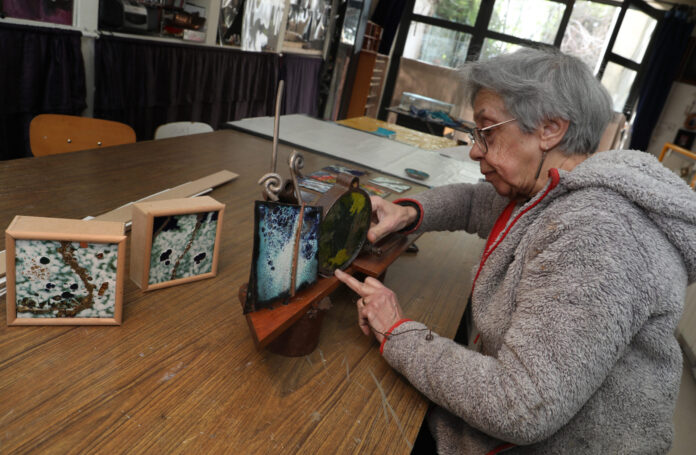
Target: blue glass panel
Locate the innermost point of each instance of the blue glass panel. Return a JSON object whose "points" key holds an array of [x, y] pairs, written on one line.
{"points": [[275, 231]]}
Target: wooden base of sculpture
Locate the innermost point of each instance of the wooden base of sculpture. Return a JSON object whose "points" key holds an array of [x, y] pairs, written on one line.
{"points": [[302, 337], [292, 329]]}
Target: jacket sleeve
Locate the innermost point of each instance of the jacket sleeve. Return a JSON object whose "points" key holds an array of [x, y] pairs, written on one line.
{"points": [[463, 206], [580, 300]]}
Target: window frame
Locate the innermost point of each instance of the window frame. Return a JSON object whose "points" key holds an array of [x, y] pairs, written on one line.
{"points": [[479, 32]]}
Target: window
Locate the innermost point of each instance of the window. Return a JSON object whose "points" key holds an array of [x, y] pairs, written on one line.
{"points": [[492, 47], [436, 45], [588, 31], [536, 20], [612, 36], [618, 80], [634, 35], [459, 11]]}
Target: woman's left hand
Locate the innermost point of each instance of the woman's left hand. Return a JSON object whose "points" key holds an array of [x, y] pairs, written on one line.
{"points": [[378, 307]]}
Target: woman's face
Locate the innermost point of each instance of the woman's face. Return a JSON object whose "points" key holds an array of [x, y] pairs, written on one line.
{"points": [[513, 156]]}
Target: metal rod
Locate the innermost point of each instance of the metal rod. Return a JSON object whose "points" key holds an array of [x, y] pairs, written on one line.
{"points": [[296, 250], [272, 183], [276, 125], [296, 162]]}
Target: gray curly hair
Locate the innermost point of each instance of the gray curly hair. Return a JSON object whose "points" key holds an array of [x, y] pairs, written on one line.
{"points": [[544, 83]]}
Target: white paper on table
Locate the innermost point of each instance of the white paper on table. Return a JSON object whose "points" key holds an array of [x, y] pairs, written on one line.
{"points": [[442, 170], [381, 154], [459, 153]]}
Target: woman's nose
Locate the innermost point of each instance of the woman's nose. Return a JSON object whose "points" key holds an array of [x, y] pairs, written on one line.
{"points": [[476, 153]]}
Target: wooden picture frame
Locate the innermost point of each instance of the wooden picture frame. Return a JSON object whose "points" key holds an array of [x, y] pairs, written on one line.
{"points": [[64, 272], [170, 241], [684, 139]]}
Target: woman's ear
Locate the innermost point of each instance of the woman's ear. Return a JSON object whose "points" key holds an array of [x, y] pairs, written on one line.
{"points": [[552, 131]]}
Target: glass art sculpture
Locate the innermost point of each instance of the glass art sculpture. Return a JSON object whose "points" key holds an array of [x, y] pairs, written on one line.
{"points": [[182, 246], [286, 242], [64, 271], [62, 279], [347, 215], [175, 241]]}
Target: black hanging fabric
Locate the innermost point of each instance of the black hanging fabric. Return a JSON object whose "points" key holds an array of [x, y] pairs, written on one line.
{"points": [[301, 75], [146, 83], [41, 71], [671, 39]]}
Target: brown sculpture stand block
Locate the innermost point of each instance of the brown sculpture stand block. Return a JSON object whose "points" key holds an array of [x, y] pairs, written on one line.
{"points": [[291, 325]]}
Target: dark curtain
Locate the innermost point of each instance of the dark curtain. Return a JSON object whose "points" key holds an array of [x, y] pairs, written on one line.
{"points": [[146, 83], [301, 76], [41, 71], [671, 38], [388, 14]]}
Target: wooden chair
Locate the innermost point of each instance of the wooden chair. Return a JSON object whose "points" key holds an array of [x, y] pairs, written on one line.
{"points": [[174, 129], [50, 134], [675, 148]]}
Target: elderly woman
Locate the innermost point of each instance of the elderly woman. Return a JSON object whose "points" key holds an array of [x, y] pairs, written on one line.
{"points": [[579, 288]]}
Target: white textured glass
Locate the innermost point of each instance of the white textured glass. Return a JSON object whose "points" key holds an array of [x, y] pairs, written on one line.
{"points": [[634, 35], [436, 45], [351, 22], [618, 80], [459, 11], [588, 32], [307, 23], [535, 20], [263, 20], [492, 48]]}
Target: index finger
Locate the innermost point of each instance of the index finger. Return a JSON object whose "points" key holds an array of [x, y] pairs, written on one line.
{"points": [[353, 283]]}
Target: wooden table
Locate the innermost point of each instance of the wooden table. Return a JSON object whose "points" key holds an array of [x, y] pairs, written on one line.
{"points": [[182, 375]]}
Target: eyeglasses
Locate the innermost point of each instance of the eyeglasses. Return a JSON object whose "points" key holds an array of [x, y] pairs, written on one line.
{"points": [[477, 138]]}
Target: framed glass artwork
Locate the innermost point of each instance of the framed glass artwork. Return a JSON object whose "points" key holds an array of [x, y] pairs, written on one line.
{"points": [[64, 272], [175, 241]]}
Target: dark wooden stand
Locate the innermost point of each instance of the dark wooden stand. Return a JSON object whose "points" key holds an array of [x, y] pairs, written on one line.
{"points": [[293, 329]]}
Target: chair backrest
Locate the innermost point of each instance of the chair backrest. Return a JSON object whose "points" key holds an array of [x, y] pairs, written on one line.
{"points": [[174, 129], [50, 134], [675, 148]]}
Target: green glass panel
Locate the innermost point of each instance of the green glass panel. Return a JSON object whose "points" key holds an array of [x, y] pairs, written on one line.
{"points": [[343, 231]]}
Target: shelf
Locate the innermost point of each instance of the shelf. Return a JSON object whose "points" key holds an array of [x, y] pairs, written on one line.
{"points": [[462, 125]]}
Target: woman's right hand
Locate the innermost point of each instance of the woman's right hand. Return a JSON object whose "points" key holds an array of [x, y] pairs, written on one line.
{"points": [[388, 217]]}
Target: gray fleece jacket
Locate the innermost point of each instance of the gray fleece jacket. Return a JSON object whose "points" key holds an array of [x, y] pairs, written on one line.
{"points": [[576, 305]]}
